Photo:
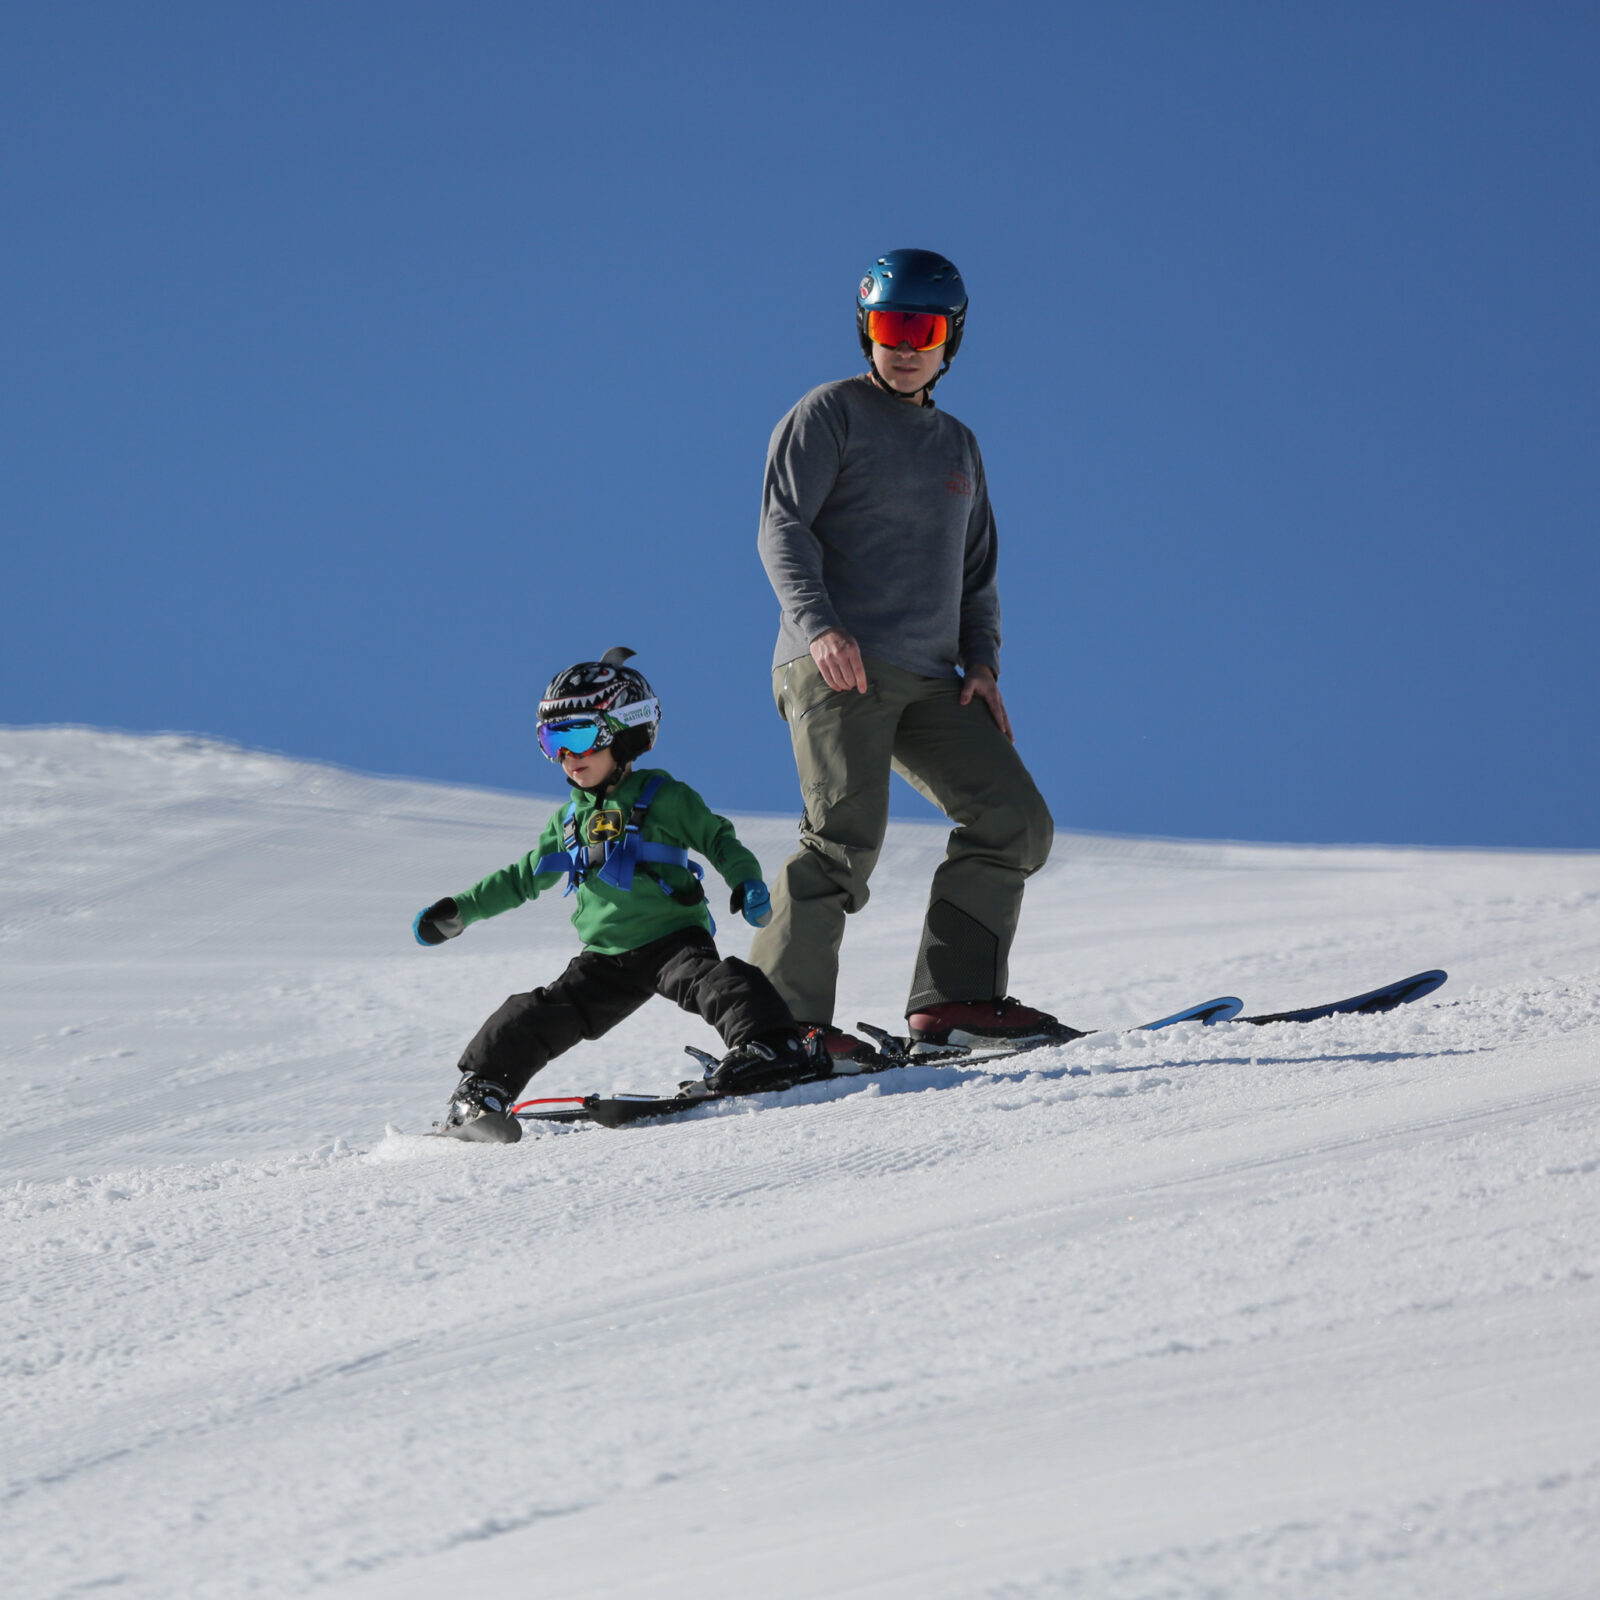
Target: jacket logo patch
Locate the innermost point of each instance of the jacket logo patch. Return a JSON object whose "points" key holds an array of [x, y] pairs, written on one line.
{"points": [[604, 826], [958, 483]]}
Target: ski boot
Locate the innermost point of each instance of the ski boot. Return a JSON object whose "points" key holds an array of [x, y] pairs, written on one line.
{"points": [[774, 1061], [845, 1050], [988, 1025], [480, 1111]]}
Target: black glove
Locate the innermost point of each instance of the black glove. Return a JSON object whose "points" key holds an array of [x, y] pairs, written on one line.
{"points": [[441, 921]]}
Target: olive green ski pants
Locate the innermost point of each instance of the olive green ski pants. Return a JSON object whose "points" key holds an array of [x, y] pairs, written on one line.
{"points": [[845, 745]]}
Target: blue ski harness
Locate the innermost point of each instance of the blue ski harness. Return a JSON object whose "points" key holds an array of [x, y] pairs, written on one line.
{"points": [[616, 860]]}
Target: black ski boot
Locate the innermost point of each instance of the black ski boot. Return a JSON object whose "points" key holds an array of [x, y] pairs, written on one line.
{"points": [[480, 1111], [773, 1061]]}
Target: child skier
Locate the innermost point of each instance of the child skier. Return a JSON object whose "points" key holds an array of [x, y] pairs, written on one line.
{"points": [[622, 844]]}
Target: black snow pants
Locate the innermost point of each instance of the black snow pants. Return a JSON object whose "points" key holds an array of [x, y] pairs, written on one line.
{"points": [[597, 991]]}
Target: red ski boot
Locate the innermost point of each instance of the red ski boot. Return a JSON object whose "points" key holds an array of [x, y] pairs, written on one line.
{"points": [[988, 1025]]}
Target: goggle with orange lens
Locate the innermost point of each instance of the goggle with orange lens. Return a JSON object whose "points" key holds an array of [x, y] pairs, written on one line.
{"points": [[922, 330]]}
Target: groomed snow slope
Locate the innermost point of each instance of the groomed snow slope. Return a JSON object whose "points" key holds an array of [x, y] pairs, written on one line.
{"points": [[1231, 1312]]}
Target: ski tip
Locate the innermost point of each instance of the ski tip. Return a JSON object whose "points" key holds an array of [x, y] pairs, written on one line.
{"points": [[1409, 989], [1400, 993], [1391, 995], [1222, 1009]]}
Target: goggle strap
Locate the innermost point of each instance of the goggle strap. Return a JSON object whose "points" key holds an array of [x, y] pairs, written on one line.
{"points": [[641, 711]]}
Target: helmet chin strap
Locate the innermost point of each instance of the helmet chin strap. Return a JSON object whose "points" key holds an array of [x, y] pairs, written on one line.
{"points": [[605, 785], [926, 391]]}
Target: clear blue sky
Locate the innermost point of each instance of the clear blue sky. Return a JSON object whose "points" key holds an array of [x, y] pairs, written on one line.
{"points": [[366, 363]]}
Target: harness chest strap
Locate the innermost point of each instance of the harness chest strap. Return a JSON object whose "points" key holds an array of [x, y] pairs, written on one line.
{"points": [[614, 861]]}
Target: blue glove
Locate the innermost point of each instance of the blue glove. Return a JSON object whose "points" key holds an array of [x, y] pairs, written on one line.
{"points": [[441, 921], [752, 899]]}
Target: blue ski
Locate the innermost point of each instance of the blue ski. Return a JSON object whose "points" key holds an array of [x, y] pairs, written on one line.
{"points": [[1384, 999]]}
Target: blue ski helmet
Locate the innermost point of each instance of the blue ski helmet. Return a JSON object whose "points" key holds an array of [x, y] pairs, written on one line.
{"points": [[913, 280]]}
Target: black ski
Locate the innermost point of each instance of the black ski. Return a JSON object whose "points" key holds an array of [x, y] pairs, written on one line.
{"points": [[615, 1111]]}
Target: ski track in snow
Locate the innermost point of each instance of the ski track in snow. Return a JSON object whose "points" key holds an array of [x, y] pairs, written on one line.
{"points": [[1221, 1312]]}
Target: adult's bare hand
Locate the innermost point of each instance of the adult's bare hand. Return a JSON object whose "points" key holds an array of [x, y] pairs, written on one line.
{"points": [[838, 659], [980, 681]]}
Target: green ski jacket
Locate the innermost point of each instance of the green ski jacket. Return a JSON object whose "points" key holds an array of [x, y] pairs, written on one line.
{"points": [[611, 920]]}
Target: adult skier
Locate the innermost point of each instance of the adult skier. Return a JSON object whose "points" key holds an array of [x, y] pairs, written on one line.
{"points": [[622, 845], [878, 538]]}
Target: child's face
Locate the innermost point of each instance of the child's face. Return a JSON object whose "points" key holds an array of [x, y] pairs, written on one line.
{"points": [[588, 768]]}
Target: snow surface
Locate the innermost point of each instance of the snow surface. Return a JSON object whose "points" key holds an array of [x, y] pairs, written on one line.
{"points": [[1292, 1311]]}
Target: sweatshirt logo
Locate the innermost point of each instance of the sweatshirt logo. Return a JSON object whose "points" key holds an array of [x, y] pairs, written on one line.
{"points": [[605, 826], [958, 483]]}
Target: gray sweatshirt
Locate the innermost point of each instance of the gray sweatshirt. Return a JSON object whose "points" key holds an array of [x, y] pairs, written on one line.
{"points": [[875, 518]]}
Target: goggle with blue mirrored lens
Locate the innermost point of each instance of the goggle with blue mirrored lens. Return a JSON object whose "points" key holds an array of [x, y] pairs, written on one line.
{"points": [[576, 734], [579, 734]]}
